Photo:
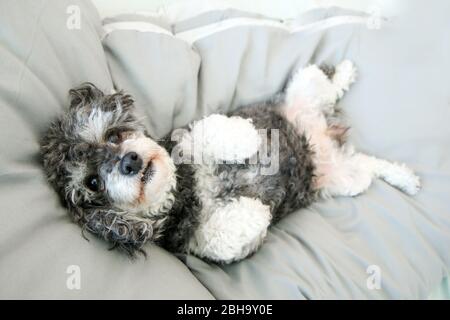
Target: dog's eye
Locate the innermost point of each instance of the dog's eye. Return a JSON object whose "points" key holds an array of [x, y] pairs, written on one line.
{"points": [[94, 183], [114, 138]]}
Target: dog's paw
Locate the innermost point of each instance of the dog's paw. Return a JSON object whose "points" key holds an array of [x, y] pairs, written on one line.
{"points": [[232, 232], [404, 178], [310, 86], [344, 76], [414, 188], [412, 183]]}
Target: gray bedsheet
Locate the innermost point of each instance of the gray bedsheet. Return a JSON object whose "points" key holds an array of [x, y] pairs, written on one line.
{"points": [[399, 109]]}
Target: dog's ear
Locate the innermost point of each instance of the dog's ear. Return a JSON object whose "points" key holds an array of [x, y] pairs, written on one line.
{"points": [[84, 94], [124, 231], [125, 101]]}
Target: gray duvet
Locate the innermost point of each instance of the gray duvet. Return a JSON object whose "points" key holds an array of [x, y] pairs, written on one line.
{"points": [[382, 244]]}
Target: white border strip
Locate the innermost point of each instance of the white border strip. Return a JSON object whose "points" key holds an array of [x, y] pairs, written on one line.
{"points": [[140, 26], [194, 35]]}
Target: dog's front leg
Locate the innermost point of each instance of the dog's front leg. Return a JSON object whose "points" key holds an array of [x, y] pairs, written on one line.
{"points": [[218, 138], [232, 231]]}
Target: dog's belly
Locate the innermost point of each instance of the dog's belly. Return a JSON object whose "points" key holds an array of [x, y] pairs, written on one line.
{"points": [[205, 188], [287, 188]]}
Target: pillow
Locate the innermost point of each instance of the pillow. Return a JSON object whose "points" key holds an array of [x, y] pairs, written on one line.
{"points": [[42, 55]]}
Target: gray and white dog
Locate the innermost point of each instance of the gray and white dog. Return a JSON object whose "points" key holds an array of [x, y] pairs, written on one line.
{"points": [[123, 186]]}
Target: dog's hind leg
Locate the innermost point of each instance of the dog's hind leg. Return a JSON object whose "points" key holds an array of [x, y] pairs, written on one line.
{"points": [[352, 174], [310, 106], [344, 76], [312, 87]]}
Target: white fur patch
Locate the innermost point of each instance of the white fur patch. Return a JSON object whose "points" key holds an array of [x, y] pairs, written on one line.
{"points": [[94, 127], [344, 76], [77, 174], [233, 231], [311, 88], [354, 173], [396, 174], [221, 138]]}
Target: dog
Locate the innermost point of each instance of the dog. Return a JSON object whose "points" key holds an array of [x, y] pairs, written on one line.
{"points": [[126, 187]]}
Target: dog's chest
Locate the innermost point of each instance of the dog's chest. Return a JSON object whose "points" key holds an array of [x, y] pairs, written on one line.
{"points": [[217, 184]]}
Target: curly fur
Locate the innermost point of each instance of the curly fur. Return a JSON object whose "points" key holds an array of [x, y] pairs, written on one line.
{"points": [[63, 149], [220, 209]]}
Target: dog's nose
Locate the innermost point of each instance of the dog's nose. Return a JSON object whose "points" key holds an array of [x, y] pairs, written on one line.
{"points": [[130, 164]]}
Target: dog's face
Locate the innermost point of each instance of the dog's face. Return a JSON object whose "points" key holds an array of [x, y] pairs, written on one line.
{"points": [[98, 155]]}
